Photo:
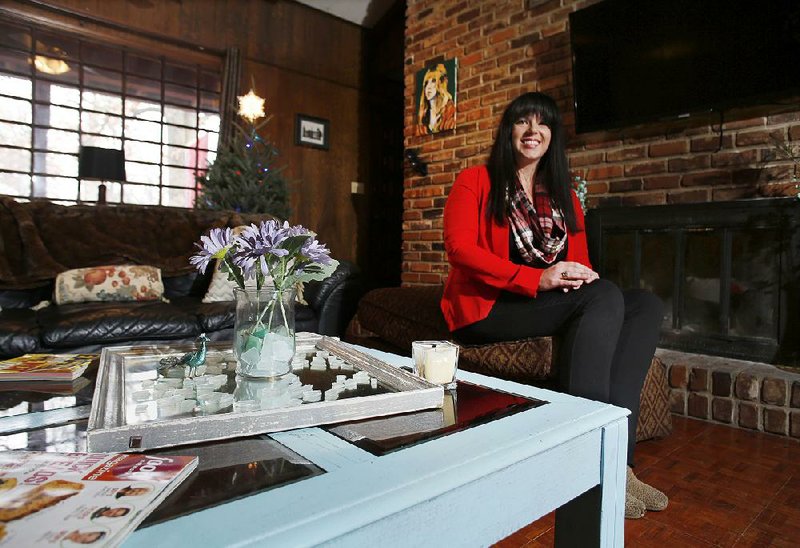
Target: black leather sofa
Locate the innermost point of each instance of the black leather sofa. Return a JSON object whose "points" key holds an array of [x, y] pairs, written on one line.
{"points": [[33, 249]]}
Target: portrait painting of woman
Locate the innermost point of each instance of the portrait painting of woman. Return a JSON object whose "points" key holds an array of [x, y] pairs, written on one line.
{"points": [[436, 98]]}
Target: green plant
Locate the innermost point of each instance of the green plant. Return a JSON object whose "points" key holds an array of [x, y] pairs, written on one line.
{"points": [[579, 184], [788, 151]]}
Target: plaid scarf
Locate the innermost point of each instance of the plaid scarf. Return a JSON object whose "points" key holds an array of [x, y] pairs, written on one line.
{"points": [[537, 228]]}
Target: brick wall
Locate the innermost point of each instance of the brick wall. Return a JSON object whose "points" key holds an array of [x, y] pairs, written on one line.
{"points": [[507, 47]]}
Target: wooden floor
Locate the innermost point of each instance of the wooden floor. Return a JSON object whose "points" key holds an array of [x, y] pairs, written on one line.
{"points": [[727, 487]]}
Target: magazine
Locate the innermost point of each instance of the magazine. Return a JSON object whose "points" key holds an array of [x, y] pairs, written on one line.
{"points": [[79, 499], [45, 367], [61, 388]]}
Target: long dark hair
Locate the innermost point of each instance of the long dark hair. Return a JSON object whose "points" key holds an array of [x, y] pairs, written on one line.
{"points": [[552, 171]]}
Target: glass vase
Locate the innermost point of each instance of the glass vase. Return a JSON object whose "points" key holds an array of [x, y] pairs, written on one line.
{"points": [[264, 343]]}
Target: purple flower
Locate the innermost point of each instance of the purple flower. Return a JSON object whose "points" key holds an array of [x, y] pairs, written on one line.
{"points": [[245, 263], [297, 230], [257, 242], [272, 235], [214, 246], [262, 250], [316, 252]]}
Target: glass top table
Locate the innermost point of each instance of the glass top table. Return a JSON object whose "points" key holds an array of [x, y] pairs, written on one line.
{"points": [[405, 479], [53, 417]]}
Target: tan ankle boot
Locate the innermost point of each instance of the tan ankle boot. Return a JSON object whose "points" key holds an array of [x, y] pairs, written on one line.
{"points": [[634, 508], [652, 498]]}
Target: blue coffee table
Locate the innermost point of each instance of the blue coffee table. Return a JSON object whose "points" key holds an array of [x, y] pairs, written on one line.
{"points": [[469, 488]]}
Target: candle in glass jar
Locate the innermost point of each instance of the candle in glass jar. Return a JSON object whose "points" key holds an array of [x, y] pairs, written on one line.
{"points": [[439, 363], [436, 361]]}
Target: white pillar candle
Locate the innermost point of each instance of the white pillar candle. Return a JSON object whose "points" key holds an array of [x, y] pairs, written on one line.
{"points": [[439, 363]]}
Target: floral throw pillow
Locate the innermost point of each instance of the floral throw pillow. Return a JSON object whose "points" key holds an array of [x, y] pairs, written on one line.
{"points": [[109, 283]]}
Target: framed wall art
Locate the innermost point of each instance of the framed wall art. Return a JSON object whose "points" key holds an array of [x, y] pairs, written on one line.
{"points": [[311, 132], [435, 98]]}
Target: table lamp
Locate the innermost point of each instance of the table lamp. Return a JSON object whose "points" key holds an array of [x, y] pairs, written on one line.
{"points": [[103, 164]]}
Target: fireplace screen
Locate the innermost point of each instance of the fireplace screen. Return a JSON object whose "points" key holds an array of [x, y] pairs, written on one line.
{"points": [[727, 272]]}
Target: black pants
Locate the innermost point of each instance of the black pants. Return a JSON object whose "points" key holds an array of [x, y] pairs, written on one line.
{"points": [[608, 338]]}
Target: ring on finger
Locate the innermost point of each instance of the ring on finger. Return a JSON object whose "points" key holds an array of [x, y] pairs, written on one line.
{"points": [[564, 275]]}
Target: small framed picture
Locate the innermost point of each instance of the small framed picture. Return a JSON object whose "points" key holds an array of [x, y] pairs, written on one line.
{"points": [[311, 132], [436, 97]]}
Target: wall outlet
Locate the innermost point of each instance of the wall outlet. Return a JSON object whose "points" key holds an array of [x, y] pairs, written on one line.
{"points": [[357, 188]]}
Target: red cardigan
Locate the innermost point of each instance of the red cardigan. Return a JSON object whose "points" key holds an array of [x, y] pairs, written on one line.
{"points": [[477, 249]]}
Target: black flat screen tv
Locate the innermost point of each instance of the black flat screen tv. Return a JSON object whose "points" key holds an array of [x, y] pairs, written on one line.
{"points": [[637, 61]]}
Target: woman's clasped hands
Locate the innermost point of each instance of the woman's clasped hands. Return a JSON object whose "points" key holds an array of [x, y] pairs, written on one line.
{"points": [[566, 275]]}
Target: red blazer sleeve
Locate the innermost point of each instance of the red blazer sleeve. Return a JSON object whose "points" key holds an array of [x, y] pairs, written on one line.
{"points": [[468, 240]]}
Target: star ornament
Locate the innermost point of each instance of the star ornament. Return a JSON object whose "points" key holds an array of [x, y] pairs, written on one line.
{"points": [[251, 107]]}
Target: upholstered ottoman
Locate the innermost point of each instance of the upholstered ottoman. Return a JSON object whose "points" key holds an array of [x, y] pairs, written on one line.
{"points": [[391, 318]]}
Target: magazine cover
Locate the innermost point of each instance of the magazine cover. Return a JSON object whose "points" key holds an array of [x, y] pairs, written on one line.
{"points": [[45, 367], [80, 499]]}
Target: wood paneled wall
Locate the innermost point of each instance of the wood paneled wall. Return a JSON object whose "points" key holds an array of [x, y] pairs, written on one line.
{"points": [[302, 61]]}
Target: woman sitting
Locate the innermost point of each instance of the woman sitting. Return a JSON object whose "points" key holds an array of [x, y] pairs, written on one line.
{"points": [[519, 267]]}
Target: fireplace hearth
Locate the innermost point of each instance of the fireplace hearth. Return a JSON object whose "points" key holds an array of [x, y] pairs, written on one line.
{"points": [[728, 272]]}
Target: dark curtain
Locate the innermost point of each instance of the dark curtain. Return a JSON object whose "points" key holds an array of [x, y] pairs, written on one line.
{"points": [[230, 89]]}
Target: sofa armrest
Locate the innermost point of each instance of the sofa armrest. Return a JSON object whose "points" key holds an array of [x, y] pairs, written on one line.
{"points": [[25, 298], [19, 333], [335, 298]]}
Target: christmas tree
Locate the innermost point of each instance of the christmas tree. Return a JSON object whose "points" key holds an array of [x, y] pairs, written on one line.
{"points": [[243, 176]]}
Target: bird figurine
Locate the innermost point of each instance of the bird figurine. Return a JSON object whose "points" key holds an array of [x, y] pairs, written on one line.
{"points": [[191, 360]]}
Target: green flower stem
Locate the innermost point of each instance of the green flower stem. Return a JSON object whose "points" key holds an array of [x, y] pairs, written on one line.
{"points": [[233, 270], [283, 311], [279, 283], [268, 307]]}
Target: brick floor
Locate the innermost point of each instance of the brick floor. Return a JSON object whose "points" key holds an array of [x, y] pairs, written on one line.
{"points": [[727, 487]]}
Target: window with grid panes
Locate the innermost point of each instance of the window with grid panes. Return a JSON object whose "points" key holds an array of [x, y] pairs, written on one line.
{"points": [[58, 92]]}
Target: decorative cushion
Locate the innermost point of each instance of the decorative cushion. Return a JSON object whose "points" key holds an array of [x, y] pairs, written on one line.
{"points": [[655, 419], [109, 284], [221, 288]]}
